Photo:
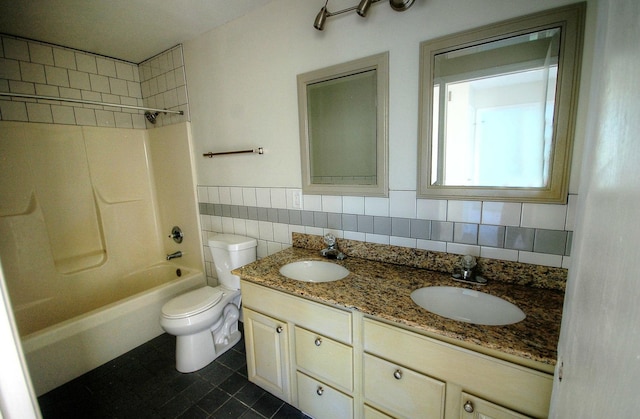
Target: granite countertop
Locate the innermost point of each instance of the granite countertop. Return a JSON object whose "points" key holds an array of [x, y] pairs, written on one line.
{"points": [[382, 290]]}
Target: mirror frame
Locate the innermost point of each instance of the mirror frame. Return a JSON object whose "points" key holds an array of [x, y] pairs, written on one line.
{"points": [[380, 63], [570, 19]]}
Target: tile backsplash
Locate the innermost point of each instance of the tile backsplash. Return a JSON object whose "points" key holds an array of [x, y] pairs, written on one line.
{"points": [[36, 68], [538, 234]]}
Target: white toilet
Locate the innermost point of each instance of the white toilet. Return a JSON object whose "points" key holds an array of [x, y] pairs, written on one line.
{"points": [[205, 320]]}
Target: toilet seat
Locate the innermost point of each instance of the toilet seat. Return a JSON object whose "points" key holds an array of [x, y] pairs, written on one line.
{"points": [[192, 303]]}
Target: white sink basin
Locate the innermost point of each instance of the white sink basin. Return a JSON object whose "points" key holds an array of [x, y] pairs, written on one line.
{"points": [[314, 271], [467, 305]]}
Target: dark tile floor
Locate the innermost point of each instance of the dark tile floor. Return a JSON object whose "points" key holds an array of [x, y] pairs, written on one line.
{"points": [[144, 383]]}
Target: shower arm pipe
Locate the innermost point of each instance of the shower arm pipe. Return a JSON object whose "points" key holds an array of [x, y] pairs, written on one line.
{"points": [[258, 150], [88, 102]]}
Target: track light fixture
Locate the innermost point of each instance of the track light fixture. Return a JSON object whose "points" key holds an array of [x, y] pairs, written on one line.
{"points": [[361, 9]]}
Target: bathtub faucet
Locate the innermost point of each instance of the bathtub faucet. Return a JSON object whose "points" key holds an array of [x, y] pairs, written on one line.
{"points": [[174, 255]]}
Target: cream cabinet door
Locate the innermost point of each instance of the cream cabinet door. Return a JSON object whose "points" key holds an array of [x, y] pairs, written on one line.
{"points": [[402, 392], [477, 408], [267, 346]]}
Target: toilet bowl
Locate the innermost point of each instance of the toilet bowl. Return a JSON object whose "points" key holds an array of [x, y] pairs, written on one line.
{"points": [[205, 320]]}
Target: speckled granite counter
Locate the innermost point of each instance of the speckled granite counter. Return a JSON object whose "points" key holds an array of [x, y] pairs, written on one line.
{"points": [[382, 290]]}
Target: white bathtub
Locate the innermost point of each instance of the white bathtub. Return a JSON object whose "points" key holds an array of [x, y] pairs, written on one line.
{"points": [[64, 351]]}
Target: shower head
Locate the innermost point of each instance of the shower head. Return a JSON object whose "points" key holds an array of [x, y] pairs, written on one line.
{"points": [[151, 117]]}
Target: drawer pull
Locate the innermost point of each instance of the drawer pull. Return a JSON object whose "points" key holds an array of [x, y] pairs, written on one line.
{"points": [[397, 374], [279, 329], [319, 391], [468, 407], [318, 342]]}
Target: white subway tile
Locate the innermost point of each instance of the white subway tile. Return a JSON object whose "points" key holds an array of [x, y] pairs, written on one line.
{"points": [[566, 262], [253, 228], [118, 87], [64, 58], [263, 197], [216, 223], [501, 213], [432, 245], [16, 49], [266, 230], [273, 247], [124, 71], [331, 203], [203, 194], [432, 209], [281, 233], [353, 205], [540, 259], [463, 249], [402, 204], [86, 63], [63, 115], [278, 198], [376, 206], [106, 67], [402, 242], [225, 195], [13, 111], [376, 238], [548, 216], [10, 69], [105, 119], [249, 197], [313, 230], [227, 225], [354, 235], [239, 227], [39, 112], [312, 202], [502, 254], [41, 54], [464, 211], [85, 116], [236, 195], [123, 120], [33, 72], [214, 194]]}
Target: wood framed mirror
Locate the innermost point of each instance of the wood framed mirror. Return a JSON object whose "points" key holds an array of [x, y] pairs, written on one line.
{"points": [[343, 113], [497, 109]]}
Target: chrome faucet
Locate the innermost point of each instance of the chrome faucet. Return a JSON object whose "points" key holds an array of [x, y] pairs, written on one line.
{"points": [[331, 252], [468, 272], [174, 255]]}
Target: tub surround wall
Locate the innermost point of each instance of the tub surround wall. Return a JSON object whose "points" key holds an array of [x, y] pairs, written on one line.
{"points": [[80, 211]]}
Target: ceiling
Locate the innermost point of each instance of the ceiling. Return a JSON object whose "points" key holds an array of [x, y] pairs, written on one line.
{"points": [[130, 30]]}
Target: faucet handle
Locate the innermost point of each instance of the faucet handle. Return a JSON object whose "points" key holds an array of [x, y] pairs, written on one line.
{"points": [[330, 240], [468, 261]]}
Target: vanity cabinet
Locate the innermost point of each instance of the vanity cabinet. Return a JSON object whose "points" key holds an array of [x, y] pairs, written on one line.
{"points": [[475, 385], [317, 347], [335, 363]]}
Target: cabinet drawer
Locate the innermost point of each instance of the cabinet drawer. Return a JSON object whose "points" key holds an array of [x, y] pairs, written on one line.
{"points": [[326, 320], [508, 384], [400, 391], [474, 407], [371, 413], [324, 358], [322, 401]]}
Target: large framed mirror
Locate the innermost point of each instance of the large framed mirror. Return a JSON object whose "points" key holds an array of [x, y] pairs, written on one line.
{"points": [[343, 113], [497, 109]]}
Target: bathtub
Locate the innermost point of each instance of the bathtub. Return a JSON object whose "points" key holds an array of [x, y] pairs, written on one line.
{"points": [[64, 351]]}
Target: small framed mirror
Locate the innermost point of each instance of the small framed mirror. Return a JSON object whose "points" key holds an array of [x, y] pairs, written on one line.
{"points": [[497, 109], [343, 112]]}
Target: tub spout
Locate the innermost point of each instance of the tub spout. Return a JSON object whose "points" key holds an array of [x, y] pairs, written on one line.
{"points": [[174, 255]]}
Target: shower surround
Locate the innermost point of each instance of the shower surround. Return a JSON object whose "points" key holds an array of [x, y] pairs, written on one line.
{"points": [[82, 209]]}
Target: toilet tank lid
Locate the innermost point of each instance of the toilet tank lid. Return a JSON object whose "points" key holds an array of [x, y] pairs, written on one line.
{"points": [[232, 242]]}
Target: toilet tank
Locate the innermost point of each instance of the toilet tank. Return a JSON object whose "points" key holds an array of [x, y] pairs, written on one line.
{"points": [[230, 251]]}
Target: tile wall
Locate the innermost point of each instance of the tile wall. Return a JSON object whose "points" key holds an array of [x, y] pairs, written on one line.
{"points": [[539, 234], [37, 68]]}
